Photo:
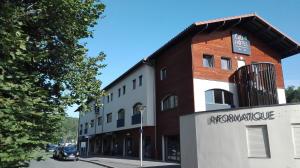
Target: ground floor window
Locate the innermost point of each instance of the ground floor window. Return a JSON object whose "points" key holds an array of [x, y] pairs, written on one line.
{"points": [[172, 148]]}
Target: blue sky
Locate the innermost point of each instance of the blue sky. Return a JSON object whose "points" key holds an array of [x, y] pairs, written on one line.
{"points": [[134, 29]]}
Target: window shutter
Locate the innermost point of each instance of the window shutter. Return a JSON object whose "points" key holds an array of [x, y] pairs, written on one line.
{"points": [[258, 142], [296, 139]]}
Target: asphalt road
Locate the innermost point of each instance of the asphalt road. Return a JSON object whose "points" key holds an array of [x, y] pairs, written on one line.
{"points": [[51, 163]]}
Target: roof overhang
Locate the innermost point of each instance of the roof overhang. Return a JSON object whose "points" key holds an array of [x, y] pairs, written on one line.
{"points": [[261, 29]]}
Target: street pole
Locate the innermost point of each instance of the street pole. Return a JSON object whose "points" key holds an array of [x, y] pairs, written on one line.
{"points": [[141, 139], [141, 109]]}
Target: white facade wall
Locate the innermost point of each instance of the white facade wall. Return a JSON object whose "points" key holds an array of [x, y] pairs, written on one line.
{"points": [[200, 86], [86, 117], [281, 96], [210, 145], [144, 94]]}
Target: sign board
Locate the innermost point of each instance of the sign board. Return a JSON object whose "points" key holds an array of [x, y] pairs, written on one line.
{"points": [[82, 144], [240, 43], [231, 118]]}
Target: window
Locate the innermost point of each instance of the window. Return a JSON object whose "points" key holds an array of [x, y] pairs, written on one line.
{"points": [[107, 98], [258, 141], [133, 83], [136, 108], [97, 109], [169, 102], [208, 61], [121, 114], [140, 80], [163, 73], [241, 63], [92, 123], [218, 96], [226, 63], [80, 130], [99, 120], [296, 140], [124, 89], [111, 96], [85, 127], [119, 92], [109, 118]]}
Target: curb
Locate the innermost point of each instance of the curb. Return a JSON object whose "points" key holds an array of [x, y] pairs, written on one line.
{"points": [[96, 163]]}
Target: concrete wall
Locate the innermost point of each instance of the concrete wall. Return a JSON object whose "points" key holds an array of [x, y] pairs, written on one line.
{"points": [[213, 145]]}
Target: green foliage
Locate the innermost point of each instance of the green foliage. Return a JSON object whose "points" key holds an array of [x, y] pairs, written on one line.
{"points": [[43, 69], [292, 94], [69, 129]]}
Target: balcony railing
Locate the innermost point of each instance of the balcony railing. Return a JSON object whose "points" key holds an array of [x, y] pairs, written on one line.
{"points": [[136, 119], [256, 84], [120, 123]]}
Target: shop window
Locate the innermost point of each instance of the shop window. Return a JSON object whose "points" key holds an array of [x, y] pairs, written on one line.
{"points": [[169, 102], [208, 61], [258, 141]]}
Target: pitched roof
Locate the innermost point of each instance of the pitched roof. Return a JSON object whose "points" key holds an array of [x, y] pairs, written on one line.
{"points": [[253, 23]]}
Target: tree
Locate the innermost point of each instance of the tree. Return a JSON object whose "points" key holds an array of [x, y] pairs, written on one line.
{"points": [[44, 67], [69, 129], [292, 94]]}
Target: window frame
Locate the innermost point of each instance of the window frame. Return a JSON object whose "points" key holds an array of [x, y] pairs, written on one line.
{"points": [[140, 80], [134, 111], [204, 57], [124, 89], [229, 65], [223, 92], [107, 117], [133, 84], [171, 100], [121, 110], [163, 73]]}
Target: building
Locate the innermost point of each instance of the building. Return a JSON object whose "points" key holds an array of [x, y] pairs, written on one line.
{"points": [[258, 137], [218, 64]]}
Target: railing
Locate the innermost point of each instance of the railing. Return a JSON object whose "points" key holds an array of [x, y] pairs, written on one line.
{"points": [[120, 123], [136, 119], [256, 85]]}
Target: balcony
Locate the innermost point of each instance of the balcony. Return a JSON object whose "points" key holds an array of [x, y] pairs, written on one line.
{"points": [[120, 123], [136, 119], [256, 85]]}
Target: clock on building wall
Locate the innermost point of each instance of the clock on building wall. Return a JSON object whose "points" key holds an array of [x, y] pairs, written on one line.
{"points": [[240, 43]]}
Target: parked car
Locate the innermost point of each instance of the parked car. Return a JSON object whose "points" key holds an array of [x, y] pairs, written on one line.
{"points": [[51, 147], [66, 153]]}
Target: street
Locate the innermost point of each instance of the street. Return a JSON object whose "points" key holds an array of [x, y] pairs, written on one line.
{"points": [[51, 163]]}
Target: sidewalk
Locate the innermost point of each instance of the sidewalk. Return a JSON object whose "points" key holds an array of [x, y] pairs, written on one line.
{"points": [[118, 162]]}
